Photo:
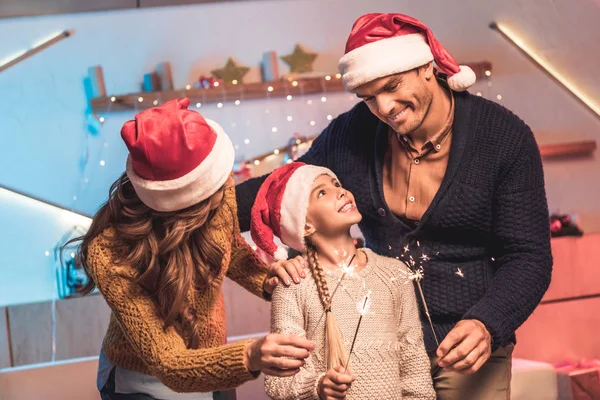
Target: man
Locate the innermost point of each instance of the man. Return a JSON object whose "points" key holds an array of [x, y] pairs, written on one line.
{"points": [[442, 174]]}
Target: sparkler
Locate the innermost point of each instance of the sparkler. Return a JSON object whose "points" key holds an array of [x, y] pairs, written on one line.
{"points": [[363, 308]]}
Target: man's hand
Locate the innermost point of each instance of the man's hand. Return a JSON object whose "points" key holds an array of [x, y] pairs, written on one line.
{"points": [[466, 348], [285, 271]]}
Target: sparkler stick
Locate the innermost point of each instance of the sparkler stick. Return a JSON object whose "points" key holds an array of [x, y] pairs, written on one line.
{"points": [[362, 313]]}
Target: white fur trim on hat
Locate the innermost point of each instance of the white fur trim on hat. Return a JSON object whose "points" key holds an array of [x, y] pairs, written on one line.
{"points": [[195, 186], [382, 58], [294, 204]]}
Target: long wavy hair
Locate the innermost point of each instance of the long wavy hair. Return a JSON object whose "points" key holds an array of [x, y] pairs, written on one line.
{"points": [[171, 251]]}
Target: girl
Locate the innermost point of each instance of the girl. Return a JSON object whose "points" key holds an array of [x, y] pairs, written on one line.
{"points": [[158, 251], [306, 207]]}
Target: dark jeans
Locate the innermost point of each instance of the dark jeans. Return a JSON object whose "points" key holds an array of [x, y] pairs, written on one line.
{"points": [[108, 392]]}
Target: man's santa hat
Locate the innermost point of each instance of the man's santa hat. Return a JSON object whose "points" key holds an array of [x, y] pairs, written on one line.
{"points": [[281, 206], [176, 157], [386, 44]]}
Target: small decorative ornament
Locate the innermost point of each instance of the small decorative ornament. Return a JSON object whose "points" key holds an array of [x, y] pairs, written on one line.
{"points": [[231, 72], [300, 61], [207, 82]]}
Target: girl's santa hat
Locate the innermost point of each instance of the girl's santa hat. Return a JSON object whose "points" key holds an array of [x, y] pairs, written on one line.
{"points": [[176, 157], [281, 206], [386, 44]]}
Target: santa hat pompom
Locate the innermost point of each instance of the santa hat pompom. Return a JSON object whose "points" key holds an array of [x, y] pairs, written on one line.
{"points": [[280, 254], [462, 80]]}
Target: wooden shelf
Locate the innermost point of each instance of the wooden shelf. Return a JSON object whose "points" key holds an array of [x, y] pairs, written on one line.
{"points": [[566, 150], [231, 93], [221, 94]]}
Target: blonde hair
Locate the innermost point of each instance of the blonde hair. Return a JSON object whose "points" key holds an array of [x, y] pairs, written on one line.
{"points": [[335, 352]]}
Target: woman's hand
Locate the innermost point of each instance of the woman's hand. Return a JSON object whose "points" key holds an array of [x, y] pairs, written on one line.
{"points": [[335, 384], [277, 355], [286, 272]]}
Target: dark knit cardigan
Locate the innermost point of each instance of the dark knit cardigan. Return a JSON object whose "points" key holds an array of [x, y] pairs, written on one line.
{"points": [[489, 218]]}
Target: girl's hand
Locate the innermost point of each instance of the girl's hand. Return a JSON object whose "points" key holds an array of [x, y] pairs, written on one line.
{"points": [[285, 271], [277, 355], [335, 384]]}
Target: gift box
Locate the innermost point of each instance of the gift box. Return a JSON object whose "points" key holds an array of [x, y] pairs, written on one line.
{"points": [[578, 382]]}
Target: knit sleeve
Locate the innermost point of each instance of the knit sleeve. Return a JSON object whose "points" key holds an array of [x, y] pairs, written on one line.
{"points": [[415, 374], [163, 350], [521, 245], [246, 191], [245, 268], [287, 318]]}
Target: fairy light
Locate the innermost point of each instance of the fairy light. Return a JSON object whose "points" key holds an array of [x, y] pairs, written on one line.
{"points": [[479, 94], [256, 162], [274, 129], [323, 99], [499, 97], [237, 102], [312, 123], [328, 78], [101, 119], [515, 39], [270, 88], [309, 102], [247, 141], [235, 81], [329, 117], [47, 253], [289, 97], [155, 102], [488, 73], [102, 163], [198, 105], [220, 105], [140, 99], [289, 118], [113, 99], [276, 151], [295, 83], [188, 87], [216, 84]]}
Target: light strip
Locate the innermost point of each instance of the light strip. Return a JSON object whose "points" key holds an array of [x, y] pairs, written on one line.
{"points": [[37, 47], [66, 215], [516, 40]]}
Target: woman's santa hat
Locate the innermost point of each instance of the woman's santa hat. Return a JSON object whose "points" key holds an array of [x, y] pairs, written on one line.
{"points": [[281, 206], [176, 157], [386, 44]]}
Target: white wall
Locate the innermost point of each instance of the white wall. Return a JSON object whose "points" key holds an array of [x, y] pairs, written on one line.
{"points": [[43, 133]]}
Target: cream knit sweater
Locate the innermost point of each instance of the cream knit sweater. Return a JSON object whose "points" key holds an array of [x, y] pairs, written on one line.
{"points": [[389, 358]]}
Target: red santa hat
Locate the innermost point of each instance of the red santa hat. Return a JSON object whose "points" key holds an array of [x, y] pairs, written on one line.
{"points": [[386, 44], [176, 157], [281, 205]]}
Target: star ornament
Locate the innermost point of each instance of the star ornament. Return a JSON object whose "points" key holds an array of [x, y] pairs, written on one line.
{"points": [[300, 61], [231, 72]]}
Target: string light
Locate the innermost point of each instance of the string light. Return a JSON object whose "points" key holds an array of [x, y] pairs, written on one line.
{"points": [[256, 162], [235, 82], [140, 99], [216, 84], [247, 141], [338, 75], [289, 97], [276, 151], [47, 253], [198, 105], [220, 105], [270, 88], [329, 118], [289, 118], [479, 94], [113, 99], [309, 102], [328, 78], [237, 102], [323, 99], [102, 163], [312, 123], [102, 119], [499, 97], [155, 102], [274, 129], [488, 73], [188, 87], [295, 83]]}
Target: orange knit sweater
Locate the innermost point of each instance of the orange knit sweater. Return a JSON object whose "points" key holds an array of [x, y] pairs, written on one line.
{"points": [[136, 339]]}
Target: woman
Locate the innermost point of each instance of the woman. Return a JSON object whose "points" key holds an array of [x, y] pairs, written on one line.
{"points": [[158, 251]]}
